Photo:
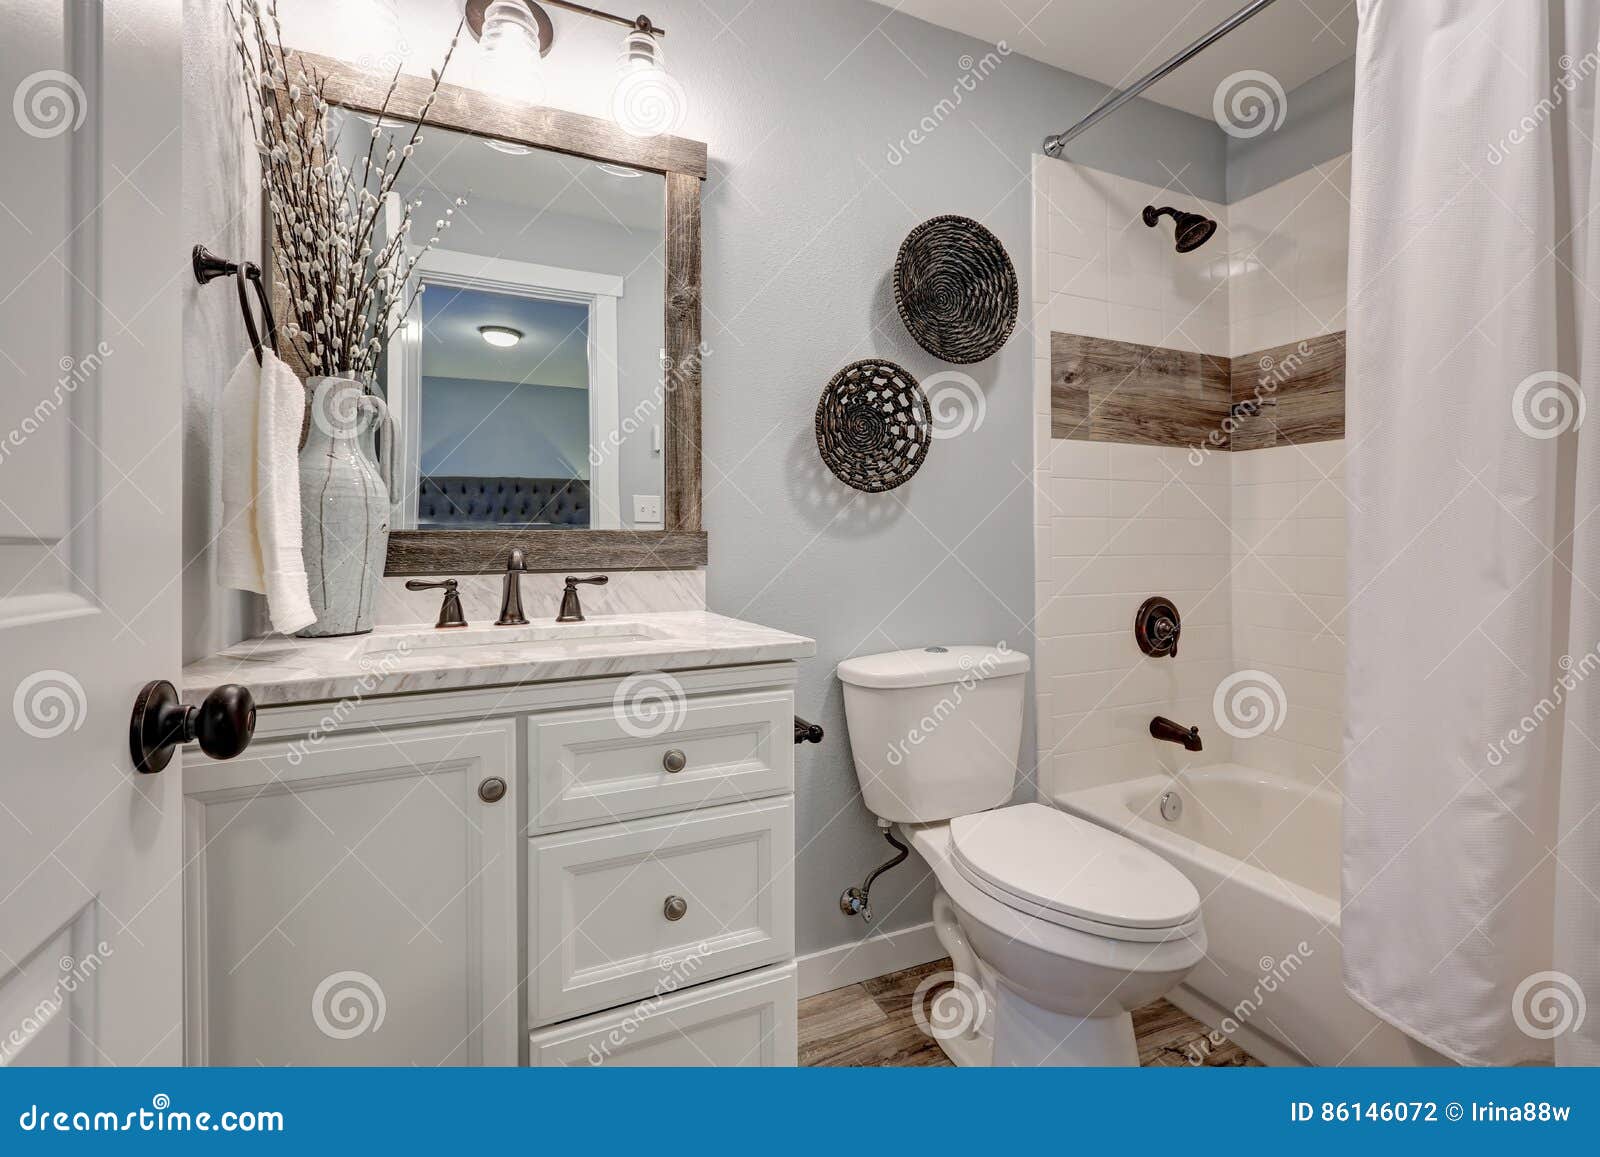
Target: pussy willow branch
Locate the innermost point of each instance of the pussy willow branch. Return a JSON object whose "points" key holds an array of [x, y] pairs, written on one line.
{"points": [[343, 295]]}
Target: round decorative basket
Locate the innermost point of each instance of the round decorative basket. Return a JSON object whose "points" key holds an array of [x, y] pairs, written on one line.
{"points": [[873, 426], [956, 289]]}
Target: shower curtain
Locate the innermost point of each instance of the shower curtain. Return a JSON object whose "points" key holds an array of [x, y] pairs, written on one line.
{"points": [[1472, 745]]}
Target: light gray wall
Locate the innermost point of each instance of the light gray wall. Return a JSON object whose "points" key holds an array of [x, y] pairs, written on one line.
{"points": [[1316, 128], [484, 429], [804, 213], [803, 105]]}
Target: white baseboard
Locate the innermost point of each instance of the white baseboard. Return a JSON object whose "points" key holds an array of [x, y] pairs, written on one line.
{"points": [[879, 953]]}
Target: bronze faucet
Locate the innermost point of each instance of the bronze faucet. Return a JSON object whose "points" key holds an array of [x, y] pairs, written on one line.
{"points": [[571, 611], [511, 593], [1163, 728]]}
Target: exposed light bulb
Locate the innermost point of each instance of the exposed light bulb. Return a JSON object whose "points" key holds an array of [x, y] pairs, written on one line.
{"points": [[500, 336], [647, 100], [508, 53]]}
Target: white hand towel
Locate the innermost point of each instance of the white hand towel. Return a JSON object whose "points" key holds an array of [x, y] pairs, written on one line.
{"points": [[259, 547], [238, 549]]}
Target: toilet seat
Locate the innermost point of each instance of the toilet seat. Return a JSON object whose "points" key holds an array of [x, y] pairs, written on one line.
{"points": [[1062, 869]]}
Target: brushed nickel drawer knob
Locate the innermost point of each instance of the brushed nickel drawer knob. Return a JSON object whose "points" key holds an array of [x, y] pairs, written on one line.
{"points": [[675, 908], [674, 761], [492, 790]]}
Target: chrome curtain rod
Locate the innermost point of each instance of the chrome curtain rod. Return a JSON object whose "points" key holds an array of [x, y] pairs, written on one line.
{"points": [[1056, 142]]}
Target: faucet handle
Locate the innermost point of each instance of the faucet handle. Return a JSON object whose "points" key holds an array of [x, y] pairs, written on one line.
{"points": [[450, 610], [571, 610]]}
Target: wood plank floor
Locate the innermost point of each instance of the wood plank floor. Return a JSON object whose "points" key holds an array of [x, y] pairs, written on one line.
{"points": [[871, 1024]]}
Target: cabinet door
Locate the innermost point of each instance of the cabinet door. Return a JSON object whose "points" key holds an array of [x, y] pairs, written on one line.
{"points": [[351, 900]]}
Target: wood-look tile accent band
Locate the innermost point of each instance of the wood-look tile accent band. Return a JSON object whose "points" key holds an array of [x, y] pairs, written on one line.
{"points": [[1112, 391]]}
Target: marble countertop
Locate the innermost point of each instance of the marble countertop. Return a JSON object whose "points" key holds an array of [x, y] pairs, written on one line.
{"points": [[414, 659]]}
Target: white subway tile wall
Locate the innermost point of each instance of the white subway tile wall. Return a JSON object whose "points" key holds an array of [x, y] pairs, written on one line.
{"points": [[1287, 265], [1250, 546], [1289, 599]]}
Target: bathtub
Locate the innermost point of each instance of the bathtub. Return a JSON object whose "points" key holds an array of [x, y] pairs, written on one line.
{"points": [[1263, 851]]}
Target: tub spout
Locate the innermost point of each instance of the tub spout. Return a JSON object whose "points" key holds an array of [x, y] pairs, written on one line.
{"points": [[1165, 729]]}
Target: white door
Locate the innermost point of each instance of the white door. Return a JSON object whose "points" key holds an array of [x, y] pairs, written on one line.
{"points": [[91, 440]]}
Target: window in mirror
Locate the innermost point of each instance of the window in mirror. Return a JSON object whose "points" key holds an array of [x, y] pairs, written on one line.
{"points": [[505, 411]]}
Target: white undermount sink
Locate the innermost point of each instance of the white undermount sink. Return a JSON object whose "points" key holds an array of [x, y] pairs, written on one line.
{"points": [[410, 641]]}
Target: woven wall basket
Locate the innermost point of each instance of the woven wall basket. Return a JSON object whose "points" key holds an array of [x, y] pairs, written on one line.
{"points": [[873, 426], [956, 289]]}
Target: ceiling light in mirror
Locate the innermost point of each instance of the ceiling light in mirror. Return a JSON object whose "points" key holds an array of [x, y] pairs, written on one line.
{"points": [[647, 100], [508, 53], [500, 336]]}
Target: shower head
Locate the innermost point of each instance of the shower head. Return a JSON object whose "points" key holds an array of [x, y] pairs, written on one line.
{"points": [[1193, 230]]}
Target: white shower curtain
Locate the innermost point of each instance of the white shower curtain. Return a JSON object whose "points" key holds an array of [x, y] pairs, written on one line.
{"points": [[1472, 773]]}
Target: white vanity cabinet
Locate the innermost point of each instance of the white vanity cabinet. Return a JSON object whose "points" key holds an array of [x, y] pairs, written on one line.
{"points": [[504, 875]]}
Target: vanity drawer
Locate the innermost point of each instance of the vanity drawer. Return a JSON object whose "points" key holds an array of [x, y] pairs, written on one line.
{"points": [[747, 1020], [600, 903], [587, 767]]}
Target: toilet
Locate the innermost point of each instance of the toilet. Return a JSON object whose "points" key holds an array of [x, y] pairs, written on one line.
{"points": [[1057, 928]]}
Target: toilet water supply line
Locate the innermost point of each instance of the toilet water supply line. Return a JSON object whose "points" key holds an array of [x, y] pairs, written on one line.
{"points": [[857, 901]]}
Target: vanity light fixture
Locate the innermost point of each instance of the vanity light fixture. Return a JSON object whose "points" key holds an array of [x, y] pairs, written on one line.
{"points": [[646, 100], [500, 336], [513, 35]]}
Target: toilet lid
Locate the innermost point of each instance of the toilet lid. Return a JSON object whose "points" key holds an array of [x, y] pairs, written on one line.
{"points": [[1050, 859]]}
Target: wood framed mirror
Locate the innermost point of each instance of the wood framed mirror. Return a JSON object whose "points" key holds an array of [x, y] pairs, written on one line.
{"points": [[489, 455]]}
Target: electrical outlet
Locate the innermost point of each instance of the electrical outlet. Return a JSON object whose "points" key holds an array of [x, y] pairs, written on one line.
{"points": [[647, 508]]}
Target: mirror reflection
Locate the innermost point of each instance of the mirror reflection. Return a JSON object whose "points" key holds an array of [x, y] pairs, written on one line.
{"points": [[536, 329]]}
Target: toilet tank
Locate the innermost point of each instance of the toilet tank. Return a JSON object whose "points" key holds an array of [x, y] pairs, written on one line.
{"points": [[935, 732]]}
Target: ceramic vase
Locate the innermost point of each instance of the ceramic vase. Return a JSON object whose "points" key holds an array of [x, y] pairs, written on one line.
{"points": [[344, 507]]}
